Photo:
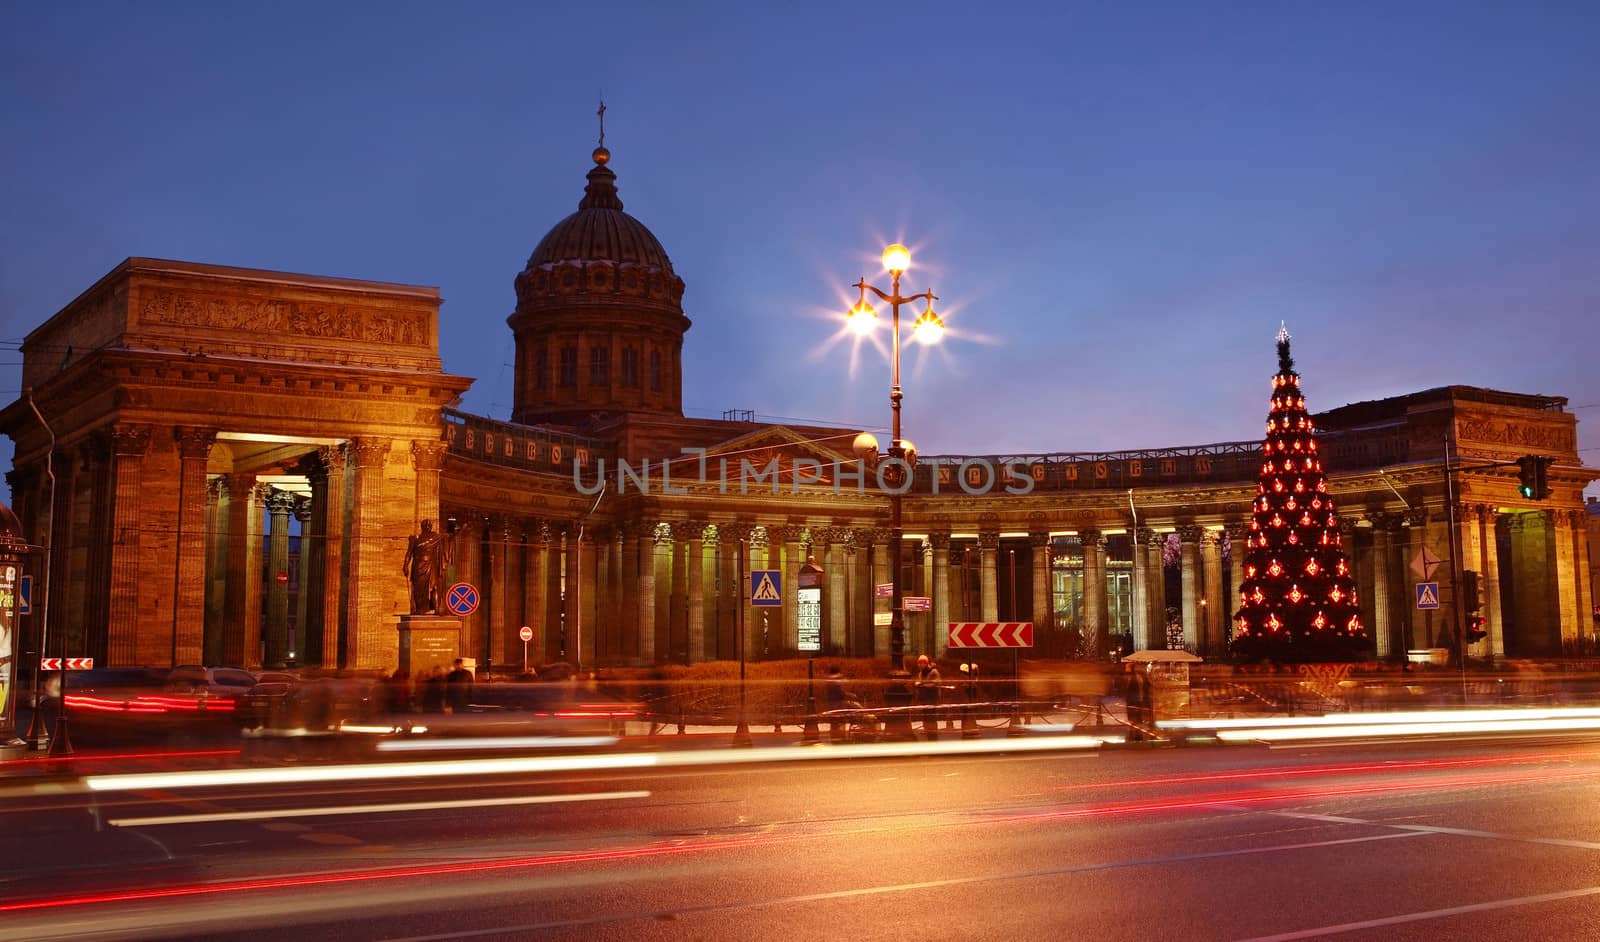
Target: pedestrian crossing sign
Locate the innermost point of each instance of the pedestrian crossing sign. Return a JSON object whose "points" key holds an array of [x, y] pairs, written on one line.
{"points": [[766, 587], [1427, 595]]}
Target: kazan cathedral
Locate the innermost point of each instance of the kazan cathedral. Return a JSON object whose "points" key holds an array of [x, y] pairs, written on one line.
{"points": [[227, 465]]}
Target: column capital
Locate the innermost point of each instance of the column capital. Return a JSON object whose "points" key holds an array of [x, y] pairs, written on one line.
{"points": [[1090, 536], [1189, 533], [428, 455], [128, 441], [833, 535], [369, 452], [331, 459], [989, 540], [733, 532], [1154, 538], [194, 444], [692, 529], [1210, 538], [239, 485], [278, 501], [1236, 529], [784, 533], [1415, 517], [940, 540], [302, 508]]}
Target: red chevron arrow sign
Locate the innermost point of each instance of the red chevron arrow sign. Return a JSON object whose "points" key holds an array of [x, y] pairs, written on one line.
{"points": [[992, 634], [73, 663]]}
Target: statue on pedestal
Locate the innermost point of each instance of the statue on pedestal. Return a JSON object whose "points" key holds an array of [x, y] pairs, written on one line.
{"points": [[427, 555]]}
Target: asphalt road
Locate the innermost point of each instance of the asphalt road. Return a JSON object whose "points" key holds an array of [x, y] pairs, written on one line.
{"points": [[1430, 840]]}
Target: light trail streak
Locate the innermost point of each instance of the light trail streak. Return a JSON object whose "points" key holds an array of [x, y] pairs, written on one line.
{"points": [[212, 778], [1414, 716], [495, 742], [371, 809], [1375, 730]]}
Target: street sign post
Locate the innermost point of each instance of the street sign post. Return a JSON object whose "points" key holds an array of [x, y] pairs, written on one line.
{"points": [[1424, 563], [462, 599], [526, 634], [883, 591], [73, 663], [766, 588], [916, 603], [1427, 596], [1004, 634]]}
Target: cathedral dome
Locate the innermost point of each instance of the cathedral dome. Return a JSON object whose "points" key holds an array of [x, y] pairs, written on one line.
{"points": [[599, 253]]}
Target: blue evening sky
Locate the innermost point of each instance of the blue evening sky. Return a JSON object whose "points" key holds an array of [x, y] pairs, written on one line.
{"points": [[1118, 202]]}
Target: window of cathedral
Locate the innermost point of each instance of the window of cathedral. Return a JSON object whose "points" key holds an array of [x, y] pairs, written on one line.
{"points": [[655, 370], [599, 366], [569, 366], [541, 366], [630, 366]]}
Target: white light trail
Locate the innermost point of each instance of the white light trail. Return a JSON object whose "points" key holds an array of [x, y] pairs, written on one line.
{"points": [[381, 771]]}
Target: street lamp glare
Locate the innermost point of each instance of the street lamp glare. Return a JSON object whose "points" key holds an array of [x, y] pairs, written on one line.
{"points": [[862, 318], [896, 259], [929, 329]]}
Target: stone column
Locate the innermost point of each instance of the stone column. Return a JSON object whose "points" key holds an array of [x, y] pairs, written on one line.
{"points": [[1384, 633], [1190, 560], [470, 568], [428, 458], [1213, 601], [882, 573], [1156, 588], [325, 609], [1578, 522], [370, 638], [1141, 590], [241, 638], [1095, 609], [501, 635], [297, 638], [189, 619], [279, 505], [940, 542], [696, 577], [1236, 556], [534, 539], [608, 566], [647, 592], [836, 639], [579, 633], [128, 446], [1566, 578], [789, 537], [558, 639], [677, 622], [731, 546], [589, 600], [1486, 518], [988, 591], [628, 623]]}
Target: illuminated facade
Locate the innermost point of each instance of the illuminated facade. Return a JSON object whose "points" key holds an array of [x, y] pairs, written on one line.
{"points": [[205, 416]]}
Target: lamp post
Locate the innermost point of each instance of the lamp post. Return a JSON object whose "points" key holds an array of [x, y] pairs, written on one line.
{"points": [[928, 329]]}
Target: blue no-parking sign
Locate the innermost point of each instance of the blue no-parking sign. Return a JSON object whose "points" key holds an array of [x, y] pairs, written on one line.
{"points": [[462, 599]]}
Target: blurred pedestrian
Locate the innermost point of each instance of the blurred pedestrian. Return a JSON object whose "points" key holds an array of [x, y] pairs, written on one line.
{"points": [[840, 697], [432, 697], [1136, 697], [397, 692], [458, 687], [928, 685], [969, 713]]}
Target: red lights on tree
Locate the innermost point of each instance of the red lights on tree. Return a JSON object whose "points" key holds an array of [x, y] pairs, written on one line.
{"points": [[1298, 601]]}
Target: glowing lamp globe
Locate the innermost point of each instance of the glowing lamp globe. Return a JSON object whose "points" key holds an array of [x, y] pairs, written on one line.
{"points": [[928, 329], [896, 258], [861, 319], [866, 447]]}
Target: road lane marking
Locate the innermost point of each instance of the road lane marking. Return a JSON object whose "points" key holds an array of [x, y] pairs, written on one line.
{"points": [[1425, 915], [369, 809], [1454, 832]]}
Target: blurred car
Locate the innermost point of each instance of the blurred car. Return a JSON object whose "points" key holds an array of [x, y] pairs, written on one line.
{"points": [[145, 704], [210, 681], [522, 708]]}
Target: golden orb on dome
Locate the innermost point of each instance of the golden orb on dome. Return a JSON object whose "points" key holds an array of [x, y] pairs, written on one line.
{"points": [[601, 156]]}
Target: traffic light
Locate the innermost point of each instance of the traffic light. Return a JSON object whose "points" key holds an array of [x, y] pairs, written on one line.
{"points": [[1477, 629], [1532, 477], [1471, 590]]}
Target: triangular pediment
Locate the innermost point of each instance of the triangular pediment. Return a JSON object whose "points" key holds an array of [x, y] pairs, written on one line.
{"points": [[785, 446]]}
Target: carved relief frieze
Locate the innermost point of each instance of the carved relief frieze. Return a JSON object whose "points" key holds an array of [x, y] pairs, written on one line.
{"points": [[310, 319]]}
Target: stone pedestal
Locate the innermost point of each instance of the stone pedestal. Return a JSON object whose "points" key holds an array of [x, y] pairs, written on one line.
{"points": [[428, 641]]}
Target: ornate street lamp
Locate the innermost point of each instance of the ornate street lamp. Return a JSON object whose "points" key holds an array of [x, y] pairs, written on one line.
{"points": [[902, 455]]}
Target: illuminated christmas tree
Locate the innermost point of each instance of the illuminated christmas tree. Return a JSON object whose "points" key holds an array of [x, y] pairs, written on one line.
{"points": [[1297, 597]]}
